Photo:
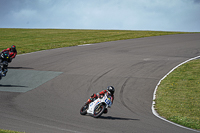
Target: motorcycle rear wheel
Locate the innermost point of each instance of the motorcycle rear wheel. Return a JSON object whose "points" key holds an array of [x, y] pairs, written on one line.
{"points": [[98, 110]]}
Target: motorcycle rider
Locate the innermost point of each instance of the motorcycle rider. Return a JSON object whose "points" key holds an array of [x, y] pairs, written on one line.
{"points": [[12, 52], [110, 92]]}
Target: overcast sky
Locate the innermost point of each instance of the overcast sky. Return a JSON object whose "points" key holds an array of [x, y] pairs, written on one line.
{"points": [[159, 15]]}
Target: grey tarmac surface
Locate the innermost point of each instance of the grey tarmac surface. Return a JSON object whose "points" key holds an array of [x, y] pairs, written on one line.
{"points": [[132, 66], [25, 80]]}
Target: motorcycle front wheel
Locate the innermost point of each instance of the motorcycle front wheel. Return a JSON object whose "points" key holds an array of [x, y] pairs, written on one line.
{"points": [[98, 110], [83, 110]]}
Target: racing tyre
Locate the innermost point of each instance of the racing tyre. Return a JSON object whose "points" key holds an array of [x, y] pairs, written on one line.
{"points": [[83, 110], [98, 110]]}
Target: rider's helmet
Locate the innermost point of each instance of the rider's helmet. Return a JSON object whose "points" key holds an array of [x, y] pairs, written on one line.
{"points": [[111, 90], [13, 48]]}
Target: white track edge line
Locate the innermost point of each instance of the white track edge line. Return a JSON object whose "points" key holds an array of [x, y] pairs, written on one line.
{"points": [[53, 49], [154, 97]]}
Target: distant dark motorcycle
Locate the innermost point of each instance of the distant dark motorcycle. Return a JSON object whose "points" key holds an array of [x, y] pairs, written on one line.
{"points": [[4, 59]]}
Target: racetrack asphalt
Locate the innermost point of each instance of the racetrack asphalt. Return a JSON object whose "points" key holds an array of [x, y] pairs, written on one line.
{"points": [[133, 67]]}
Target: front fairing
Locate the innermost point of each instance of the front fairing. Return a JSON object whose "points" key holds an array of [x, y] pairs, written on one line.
{"points": [[5, 56], [106, 100]]}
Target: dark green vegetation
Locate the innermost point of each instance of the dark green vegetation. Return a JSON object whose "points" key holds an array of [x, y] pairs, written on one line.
{"points": [[30, 40], [178, 96]]}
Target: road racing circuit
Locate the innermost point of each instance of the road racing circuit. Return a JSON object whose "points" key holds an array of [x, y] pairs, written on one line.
{"points": [[44, 91]]}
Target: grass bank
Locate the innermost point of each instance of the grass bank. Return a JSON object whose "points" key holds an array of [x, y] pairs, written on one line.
{"points": [[31, 40], [9, 131], [178, 95]]}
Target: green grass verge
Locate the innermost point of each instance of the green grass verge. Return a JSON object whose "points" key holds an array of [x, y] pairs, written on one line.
{"points": [[31, 40], [178, 95], [8, 131]]}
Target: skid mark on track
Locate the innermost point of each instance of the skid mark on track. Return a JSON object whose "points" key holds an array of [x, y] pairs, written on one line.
{"points": [[102, 75], [89, 88], [122, 97]]}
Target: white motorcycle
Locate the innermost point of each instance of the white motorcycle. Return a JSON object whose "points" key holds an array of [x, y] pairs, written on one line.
{"points": [[97, 107]]}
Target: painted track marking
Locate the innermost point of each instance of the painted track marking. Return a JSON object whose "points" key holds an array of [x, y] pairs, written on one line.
{"points": [[154, 97]]}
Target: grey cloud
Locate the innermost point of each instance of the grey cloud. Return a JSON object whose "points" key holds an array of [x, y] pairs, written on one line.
{"points": [[170, 15], [197, 1]]}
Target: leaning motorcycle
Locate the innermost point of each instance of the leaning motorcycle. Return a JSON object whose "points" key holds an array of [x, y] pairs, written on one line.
{"points": [[4, 58], [97, 107]]}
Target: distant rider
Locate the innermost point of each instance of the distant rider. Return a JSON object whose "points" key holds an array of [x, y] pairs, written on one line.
{"points": [[110, 92], [12, 53]]}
